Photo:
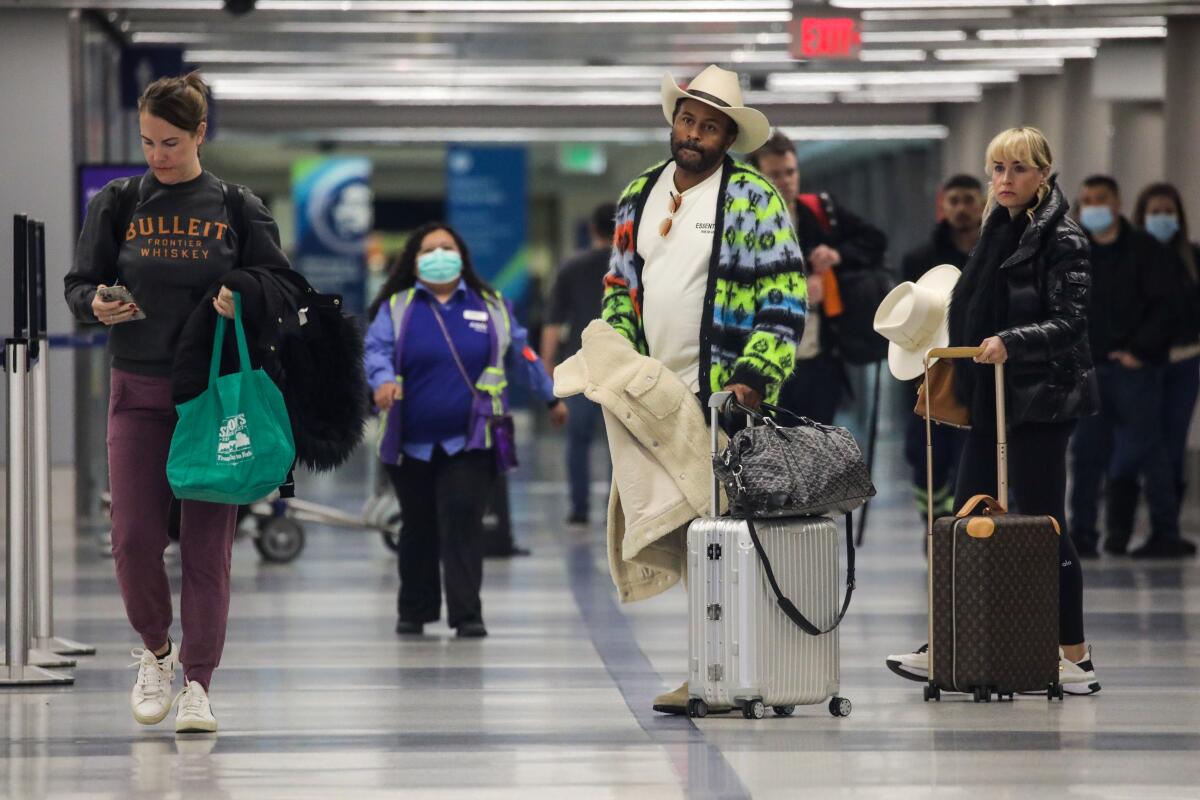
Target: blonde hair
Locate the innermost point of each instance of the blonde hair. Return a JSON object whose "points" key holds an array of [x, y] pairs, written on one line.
{"points": [[1024, 144]]}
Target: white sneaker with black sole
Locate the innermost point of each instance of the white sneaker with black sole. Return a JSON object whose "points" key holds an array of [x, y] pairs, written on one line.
{"points": [[1078, 678], [151, 695], [912, 666], [195, 714]]}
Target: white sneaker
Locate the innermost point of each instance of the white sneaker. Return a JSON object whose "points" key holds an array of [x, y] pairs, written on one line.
{"points": [[151, 695], [195, 715], [913, 666], [1077, 678]]}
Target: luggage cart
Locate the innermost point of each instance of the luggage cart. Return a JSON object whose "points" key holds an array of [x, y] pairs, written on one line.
{"points": [[275, 523]]}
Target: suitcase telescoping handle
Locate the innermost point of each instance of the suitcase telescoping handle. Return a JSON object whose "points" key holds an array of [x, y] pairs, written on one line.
{"points": [[717, 403], [721, 401], [1001, 433]]}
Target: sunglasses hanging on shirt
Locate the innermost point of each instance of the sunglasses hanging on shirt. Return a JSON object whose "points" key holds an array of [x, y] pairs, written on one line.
{"points": [[673, 205]]}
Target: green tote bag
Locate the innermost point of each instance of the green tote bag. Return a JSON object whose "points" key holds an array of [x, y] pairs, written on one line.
{"points": [[233, 443]]}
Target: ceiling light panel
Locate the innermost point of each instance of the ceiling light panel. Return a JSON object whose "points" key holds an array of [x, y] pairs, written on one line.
{"points": [[520, 6], [1013, 53], [918, 37], [933, 14], [965, 94], [925, 4], [439, 135], [250, 90], [851, 81], [892, 55], [1061, 34]]}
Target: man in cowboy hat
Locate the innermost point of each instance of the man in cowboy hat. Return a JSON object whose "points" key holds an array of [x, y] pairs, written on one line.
{"points": [[706, 274]]}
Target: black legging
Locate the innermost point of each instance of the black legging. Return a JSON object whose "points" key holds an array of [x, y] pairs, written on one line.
{"points": [[1037, 483]]}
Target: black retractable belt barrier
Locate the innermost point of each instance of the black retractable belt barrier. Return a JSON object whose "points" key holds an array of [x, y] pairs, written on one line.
{"points": [[22, 666], [42, 593]]}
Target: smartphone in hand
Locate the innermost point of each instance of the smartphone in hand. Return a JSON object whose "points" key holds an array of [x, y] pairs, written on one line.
{"points": [[120, 294]]}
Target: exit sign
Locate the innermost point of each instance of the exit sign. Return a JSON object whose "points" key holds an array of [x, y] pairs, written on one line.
{"points": [[826, 37]]}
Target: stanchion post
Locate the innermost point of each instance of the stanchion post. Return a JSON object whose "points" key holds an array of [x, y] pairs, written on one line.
{"points": [[17, 669], [45, 644]]}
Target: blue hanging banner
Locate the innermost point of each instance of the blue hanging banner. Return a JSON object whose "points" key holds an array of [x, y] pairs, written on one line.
{"points": [[486, 202], [334, 214]]}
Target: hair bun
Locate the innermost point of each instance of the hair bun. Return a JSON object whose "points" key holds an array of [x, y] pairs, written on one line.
{"points": [[193, 80]]}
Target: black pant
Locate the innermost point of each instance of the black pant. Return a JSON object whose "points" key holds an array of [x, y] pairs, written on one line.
{"points": [[1037, 479], [442, 503], [815, 388]]}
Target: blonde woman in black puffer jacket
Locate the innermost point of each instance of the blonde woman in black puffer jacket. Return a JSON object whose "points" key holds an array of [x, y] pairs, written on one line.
{"points": [[1023, 297]]}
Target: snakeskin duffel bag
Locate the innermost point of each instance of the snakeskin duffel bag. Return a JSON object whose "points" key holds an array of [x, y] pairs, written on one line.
{"points": [[807, 469]]}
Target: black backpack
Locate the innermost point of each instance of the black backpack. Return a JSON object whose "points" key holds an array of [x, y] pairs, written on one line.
{"points": [[862, 291]]}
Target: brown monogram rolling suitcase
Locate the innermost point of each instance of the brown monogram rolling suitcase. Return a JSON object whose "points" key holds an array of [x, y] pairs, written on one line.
{"points": [[993, 586]]}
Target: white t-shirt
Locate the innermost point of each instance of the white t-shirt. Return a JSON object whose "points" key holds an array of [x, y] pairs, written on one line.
{"points": [[675, 273]]}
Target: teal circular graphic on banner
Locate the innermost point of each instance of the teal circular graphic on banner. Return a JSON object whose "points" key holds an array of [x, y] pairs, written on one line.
{"points": [[339, 210]]}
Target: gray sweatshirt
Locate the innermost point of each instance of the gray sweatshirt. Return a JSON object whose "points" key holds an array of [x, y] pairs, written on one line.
{"points": [[177, 246]]}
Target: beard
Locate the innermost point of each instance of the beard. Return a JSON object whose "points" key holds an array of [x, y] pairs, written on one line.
{"points": [[691, 157]]}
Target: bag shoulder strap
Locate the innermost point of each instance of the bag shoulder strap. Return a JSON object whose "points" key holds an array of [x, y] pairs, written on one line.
{"points": [[462, 369], [127, 199], [821, 206], [786, 605], [235, 209]]}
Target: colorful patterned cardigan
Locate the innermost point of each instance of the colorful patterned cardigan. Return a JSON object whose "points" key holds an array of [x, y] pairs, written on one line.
{"points": [[756, 298]]}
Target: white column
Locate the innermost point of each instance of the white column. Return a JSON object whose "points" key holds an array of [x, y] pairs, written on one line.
{"points": [[963, 149], [1088, 148], [1136, 157], [1181, 122], [37, 176], [1182, 112], [1043, 106]]}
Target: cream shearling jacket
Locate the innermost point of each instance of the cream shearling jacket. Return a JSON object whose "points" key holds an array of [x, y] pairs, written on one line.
{"points": [[660, 447]]}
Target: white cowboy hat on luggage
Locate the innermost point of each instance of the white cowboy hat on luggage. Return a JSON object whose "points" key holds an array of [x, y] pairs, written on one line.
{"points": [[913, 319], [720, 89]]}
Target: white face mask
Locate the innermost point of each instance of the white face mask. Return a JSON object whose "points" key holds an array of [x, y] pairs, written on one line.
{"points": [[1162, 226], [439, 266], [1097, 219]]}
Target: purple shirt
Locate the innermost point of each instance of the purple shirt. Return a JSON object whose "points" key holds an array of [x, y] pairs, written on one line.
{"points": [[436, 409]]}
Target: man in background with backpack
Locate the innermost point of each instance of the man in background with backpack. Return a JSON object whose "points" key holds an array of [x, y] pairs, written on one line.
{"points": [[961, 202], [848, 279]]}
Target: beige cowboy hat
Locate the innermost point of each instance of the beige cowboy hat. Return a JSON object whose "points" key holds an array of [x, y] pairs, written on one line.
{"points": [[913, 319], [720, 89]]}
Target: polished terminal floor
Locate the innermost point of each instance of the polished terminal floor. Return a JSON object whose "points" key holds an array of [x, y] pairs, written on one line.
{"points": [[317, 698]]}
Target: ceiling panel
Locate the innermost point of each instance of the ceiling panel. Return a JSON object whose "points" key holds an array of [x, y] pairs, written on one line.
{"points": [[554, 63]]}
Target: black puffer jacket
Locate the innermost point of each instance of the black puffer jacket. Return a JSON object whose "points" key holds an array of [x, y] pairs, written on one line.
{"points": [[1044, 288]]}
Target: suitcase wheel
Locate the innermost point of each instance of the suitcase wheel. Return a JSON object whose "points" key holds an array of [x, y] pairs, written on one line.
{"points": [[697, 708], [932, 692], [840, 707], [784, 711], [1055, 692], [983, 694], [754, 709]]}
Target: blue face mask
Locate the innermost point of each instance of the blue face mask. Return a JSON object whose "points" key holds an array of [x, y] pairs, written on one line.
{"points": [[439, 266], [1096, 219], [1162, 226]]}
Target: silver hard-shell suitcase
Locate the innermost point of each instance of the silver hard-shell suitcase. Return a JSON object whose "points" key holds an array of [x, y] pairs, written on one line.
{"points": [[744, 650]]}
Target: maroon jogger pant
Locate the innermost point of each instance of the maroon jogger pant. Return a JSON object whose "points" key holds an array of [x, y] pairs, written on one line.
{"points": [[141, 419]]}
